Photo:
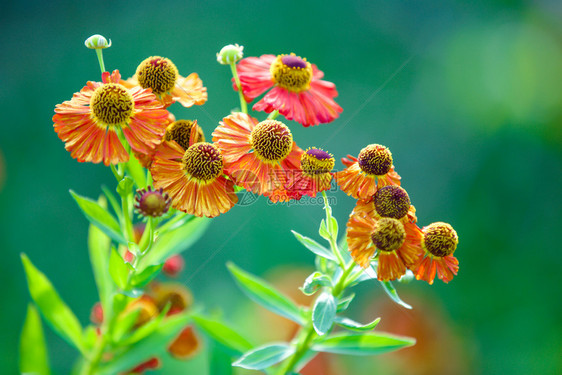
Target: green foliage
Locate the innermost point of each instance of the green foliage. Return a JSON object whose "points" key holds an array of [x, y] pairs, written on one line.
{"points": [[393, 294], [354, 326], [266, 295], [151, 345], [314, 282], [324, 313], [344, 302], [56, 312], [362, 344], [119, 270], [100, 217], [33, 351], [314, 246], [264, 356], [224, 335]]}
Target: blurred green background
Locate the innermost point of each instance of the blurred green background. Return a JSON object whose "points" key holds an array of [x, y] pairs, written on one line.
{"points": [[467, 96]]}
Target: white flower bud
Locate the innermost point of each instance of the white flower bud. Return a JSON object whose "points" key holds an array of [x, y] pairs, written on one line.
{"points": [[97, 42], [229, 54]]}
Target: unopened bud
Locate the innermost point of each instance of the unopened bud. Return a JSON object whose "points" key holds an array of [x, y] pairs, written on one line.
{"points": [[97, 42], [229, 54]]}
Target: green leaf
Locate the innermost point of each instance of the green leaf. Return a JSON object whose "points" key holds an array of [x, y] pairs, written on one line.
{"points": [[344, 302], [140, 280], [314, 282], [393, 294], [56, 312], [354, 326], [175, 241], [99, 216], [118, 269], [324, 313], [136, 171], [323, 231], [220, 362], [90, 337], [33, 350], [124, 323], [99, 249], [152, 345], [112, 201], [147, 328], [266, 295], [264, 356], [363, 344], [223, 335], [314, 246], [124, 187]]}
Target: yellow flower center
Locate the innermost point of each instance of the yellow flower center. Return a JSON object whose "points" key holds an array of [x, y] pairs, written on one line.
{"points": [[272, 141], [388, 235], [291, 72], [392, 201], [203, 161], [157, 73], [440, 239], [375, 160], [180, 131], [316, 161], [112, 104]]}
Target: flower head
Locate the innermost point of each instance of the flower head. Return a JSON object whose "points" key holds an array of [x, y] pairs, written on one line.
{"points": [[315, 173], [180, 131], [367, 173], [186, 345], [230, 54], [97, 41], [89, 123], [173, 265], [439, 243], [258, 153], [297, 90], [161, 76], [176, 294], [194, 178], [151, 202]]}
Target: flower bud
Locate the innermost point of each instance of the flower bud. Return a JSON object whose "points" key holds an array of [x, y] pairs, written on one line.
{"points": [[173, 266], [229, 54], [97, 42]]}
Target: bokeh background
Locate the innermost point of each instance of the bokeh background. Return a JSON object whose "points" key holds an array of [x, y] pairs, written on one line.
{"points": [[467, 95]]}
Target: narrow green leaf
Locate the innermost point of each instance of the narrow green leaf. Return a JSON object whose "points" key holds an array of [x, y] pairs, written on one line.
{"points": [[33, 350], [146, 329], [123, 325], [344, 302], [354, 326], [152, 345], [220, 362], [342, 247], [265, 356], [175, 241], [99, 216], [112, 201], [136, 171], [99, 249], [223, 335], [266, 295], [314, 282], [118, 269], [140, 280], [56, 312], [324, 313], [363, 344], [323, 231], [124, 187], [314, 246], [393, 294]]}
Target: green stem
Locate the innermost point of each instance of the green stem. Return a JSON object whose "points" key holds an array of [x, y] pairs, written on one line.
{"points": [[243, 105], [100, 59], [302, 348], [273, 115], [333, 241], [127, 219], [342, 282]]}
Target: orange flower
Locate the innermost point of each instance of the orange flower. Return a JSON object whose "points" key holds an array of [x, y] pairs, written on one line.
{"points": [[161, 75], [298, 92], [385, 226], [185, 345], [258, 154], [372, 170], [439, 243], [194, 178], [89, 123], [314, 174]]}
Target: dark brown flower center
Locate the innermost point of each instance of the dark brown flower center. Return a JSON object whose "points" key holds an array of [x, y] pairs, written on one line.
{"points": [[316, 161], [180, 131], [392, 201], [388, 234], [203, 161], [440, 239], [157, 73], [375, 160], [272, 140], [112, 104]]}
